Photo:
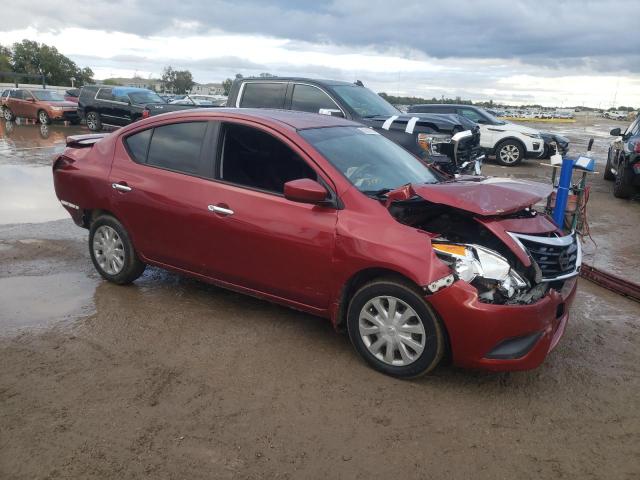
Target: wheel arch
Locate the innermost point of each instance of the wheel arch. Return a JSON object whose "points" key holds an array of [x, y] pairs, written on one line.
{"points": [[510, 138]]}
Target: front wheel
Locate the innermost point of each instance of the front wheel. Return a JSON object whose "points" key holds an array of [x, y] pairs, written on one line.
{"points": [[509, 153], [43, 117], [608, 174], [112, 252], [8, 114], [623, 188], [394, 330]]}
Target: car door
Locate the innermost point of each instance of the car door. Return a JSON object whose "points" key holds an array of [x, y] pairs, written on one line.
{"points": [[632, 131], [161, 182], [488, 133], [264, 241], [106, 106], [121, 108], [16, 102]]}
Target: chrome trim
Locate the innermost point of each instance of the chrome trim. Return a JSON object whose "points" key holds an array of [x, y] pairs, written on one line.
{"points": [[221, 210], [553, 241], [69, 204]]}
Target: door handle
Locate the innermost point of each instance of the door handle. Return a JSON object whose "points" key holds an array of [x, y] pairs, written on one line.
{"points": [[220, 210], [120, 187]]}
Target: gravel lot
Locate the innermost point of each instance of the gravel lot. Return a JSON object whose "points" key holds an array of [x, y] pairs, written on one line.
{"points": [[171, 378]]}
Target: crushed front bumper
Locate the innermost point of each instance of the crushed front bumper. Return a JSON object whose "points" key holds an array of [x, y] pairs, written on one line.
{"points": [[502, 337]]}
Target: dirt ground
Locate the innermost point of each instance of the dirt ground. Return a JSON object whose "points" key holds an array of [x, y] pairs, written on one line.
{"points": [[171, 378]]}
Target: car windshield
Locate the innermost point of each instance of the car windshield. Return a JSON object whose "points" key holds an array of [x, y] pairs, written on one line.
{"points": [[371, 162], [492, 118], [144, 97], [364, 101], [47, 95]]}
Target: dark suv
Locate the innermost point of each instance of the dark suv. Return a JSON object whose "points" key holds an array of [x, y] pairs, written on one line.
{"points": [[118, 106], [623, 161], [427, 136]]}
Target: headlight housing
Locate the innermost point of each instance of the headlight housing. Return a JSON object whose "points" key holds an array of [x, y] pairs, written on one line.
{"points": [[532, 135], [57, 109], [429, 141], [470, 262]]}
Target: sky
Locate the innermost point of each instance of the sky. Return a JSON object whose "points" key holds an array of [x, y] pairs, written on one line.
{"points": [[555, 53]]}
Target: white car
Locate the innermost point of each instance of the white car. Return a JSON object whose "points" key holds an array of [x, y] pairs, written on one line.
{"points": [[509, 142]]}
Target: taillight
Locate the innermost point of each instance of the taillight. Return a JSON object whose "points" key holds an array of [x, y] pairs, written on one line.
{"points": [[636, 147], [145, 113]]}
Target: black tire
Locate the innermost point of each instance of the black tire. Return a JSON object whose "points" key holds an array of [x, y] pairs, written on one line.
{"points": [[434, 340], [93, 121], [608, 174], [43, 117], [8, 114], [131, 267], [623, 187], [509, 148]]}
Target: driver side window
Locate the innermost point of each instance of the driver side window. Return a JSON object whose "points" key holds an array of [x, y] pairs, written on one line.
{"points": [[472, 115], [254, 159]]}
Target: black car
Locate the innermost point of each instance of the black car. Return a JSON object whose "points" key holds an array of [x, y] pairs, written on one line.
{"points": [[426, 136], [102, 105], [623, 160]]}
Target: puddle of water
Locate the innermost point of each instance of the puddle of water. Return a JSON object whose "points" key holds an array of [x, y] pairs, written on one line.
{"points": [[26, 153], [33, 302]]}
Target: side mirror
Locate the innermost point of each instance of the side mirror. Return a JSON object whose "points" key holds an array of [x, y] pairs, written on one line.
{"points": [[333, 112], [305, 190], [615, 132]]}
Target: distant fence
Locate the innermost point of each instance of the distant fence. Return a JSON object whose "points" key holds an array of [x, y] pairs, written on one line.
{"points": [[54, 88]]}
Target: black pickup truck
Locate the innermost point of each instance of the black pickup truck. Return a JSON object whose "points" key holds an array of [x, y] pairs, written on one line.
{"points": [[430, 137], [102, 105]]}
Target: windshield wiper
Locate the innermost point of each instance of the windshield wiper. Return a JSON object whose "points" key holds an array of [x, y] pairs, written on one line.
{"points": [[377, 193]]}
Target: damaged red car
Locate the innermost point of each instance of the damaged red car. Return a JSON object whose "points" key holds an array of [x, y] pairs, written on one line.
{"points": [[326, 216]]}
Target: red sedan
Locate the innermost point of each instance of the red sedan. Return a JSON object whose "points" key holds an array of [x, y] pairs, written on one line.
{"points": [[326, 216]]}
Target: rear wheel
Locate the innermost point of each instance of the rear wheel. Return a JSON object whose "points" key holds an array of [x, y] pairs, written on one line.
{"points": [[394, 330], [509, 153], [93, 121], [623, 188], [43, 117], [608, 174], [7, 114], [112, 252]]}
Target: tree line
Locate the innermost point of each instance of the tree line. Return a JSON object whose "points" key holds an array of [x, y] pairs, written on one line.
{"points": [[36, 60]]}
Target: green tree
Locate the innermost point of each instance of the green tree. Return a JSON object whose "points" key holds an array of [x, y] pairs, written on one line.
{"points": [[35, 58], [5, 62], [178, 81], [226, 85]]}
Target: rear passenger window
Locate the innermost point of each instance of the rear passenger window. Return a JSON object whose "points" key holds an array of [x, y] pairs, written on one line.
{"points": [[105, 94], [263, 95], [255, 159], [177, 147], [138, 144], [310, 99]]}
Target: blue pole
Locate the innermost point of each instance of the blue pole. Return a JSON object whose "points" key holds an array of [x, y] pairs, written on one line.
{"points": [[562, 195]]}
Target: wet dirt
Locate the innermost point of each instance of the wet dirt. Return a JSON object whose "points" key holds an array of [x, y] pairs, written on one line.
{"points": [[172, 378]]}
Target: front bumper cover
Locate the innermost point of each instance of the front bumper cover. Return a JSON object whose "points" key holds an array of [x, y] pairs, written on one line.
{"points": [[477, 329]]}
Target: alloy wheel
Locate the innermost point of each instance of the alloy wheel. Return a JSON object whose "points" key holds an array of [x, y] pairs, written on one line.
{"points": [[509, 154], [108, 250], [43, 118], [7, 114], [91, 121], [392, 331]]}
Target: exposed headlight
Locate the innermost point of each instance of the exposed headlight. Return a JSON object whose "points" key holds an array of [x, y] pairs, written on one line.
{"points": [[429, 141], [56, 109], [474, 261], [532, 135]]}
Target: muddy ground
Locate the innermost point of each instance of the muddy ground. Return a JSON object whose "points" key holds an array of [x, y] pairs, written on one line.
{"points": [[171, 378]]}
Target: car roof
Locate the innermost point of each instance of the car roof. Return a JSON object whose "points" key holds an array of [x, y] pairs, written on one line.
{"points": [[299, 79], [293, 119], [456, 105]]}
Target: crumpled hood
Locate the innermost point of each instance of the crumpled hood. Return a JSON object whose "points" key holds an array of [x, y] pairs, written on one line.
{"points": [[484, 196]]}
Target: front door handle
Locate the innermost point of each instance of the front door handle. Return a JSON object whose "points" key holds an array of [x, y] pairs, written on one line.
{"points": [[220, 210], [120, 187]]}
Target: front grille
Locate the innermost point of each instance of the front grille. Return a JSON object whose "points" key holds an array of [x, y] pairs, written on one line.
{"points": [[556, 256]]}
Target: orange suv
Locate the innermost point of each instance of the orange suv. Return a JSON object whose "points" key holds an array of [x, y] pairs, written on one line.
{"points": [[43, 105]]}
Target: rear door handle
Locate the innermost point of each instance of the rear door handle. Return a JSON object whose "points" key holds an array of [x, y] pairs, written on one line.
{"points": [[220, 210], [120, 187]]}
